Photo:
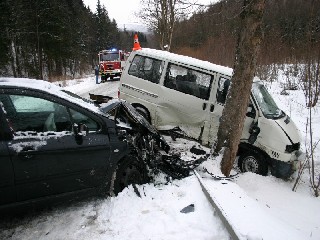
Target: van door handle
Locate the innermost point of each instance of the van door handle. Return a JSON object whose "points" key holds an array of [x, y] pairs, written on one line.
{"points": [[204, 106], [211, 107]]}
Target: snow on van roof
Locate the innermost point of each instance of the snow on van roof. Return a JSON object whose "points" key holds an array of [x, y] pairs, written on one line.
{"points": [[49, 88], [186, 60]]}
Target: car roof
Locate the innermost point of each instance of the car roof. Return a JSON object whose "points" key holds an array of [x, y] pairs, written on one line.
{"points": [[48, 88], [176, 58]]}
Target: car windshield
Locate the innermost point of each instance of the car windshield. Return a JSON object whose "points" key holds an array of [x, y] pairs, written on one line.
{"points": [[267, 105]]}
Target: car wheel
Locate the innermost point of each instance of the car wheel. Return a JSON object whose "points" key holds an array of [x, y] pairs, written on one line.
{"points": [[130, 171], [144, 112], [253, 162]]}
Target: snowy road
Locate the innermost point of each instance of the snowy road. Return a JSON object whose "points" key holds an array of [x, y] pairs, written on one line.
{"points": [[85, 86]]}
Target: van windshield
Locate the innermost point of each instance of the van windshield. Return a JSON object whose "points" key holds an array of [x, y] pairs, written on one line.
{"points": [[267, 105]]}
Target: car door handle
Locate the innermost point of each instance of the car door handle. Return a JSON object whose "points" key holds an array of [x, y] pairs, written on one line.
{"points": [[211, 107], [27, 156], [27, 152]]}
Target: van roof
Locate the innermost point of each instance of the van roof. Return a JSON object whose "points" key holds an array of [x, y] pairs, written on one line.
{"points": [[185, 60]]}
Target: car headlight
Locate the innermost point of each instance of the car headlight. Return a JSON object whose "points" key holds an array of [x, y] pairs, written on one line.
{"points": [[293, 147]]}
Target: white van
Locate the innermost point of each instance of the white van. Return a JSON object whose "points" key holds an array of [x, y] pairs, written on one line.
{"points": [[172, 90]]}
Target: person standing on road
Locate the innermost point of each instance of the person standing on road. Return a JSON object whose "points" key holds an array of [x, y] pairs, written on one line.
{"points": [[96, 72]]}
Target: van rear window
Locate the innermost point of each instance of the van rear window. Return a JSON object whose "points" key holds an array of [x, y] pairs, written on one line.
{"points": [[146, 68]]}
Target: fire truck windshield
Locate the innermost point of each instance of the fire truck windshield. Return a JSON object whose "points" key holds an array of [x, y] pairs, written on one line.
{"points": [[110, 56]]}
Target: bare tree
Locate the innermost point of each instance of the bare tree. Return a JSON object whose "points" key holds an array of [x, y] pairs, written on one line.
{"points": [[160, 16], [249, 41]]}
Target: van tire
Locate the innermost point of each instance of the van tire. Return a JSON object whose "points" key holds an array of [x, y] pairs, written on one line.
{"points": [[253, 162], [144, 112], [130, 171]]}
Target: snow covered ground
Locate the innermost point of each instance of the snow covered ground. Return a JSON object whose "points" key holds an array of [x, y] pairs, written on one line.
{"points": [[257, 207]]}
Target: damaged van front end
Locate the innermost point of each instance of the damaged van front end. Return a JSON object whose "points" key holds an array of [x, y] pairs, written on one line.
{"points": [[278, 135]]}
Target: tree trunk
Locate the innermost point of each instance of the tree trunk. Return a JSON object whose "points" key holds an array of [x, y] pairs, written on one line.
{"points": [[233, 115]]}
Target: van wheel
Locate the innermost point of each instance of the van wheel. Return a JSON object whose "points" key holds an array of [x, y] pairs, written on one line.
{"points": [[130, 171], [144, 112], [253, 162]]}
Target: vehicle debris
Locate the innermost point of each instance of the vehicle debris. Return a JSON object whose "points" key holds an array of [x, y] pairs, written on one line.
{"points": [[216, 177], [188, 209], [146, 142]]}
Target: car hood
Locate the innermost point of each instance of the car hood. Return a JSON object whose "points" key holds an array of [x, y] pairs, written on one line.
{"points": [[139, 122], [116, 103]]}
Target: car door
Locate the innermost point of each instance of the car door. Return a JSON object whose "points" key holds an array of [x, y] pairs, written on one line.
{"points": [[218, 95], [185, 99], [47, 157], [7, 188]]}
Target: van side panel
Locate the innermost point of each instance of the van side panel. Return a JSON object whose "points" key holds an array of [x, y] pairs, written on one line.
{"points": [[181, 97]]}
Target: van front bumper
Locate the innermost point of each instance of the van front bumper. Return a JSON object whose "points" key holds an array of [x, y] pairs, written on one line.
{"points": [[283, 169]]}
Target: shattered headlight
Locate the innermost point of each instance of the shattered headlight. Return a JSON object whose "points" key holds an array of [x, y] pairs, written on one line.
{"points": [[293, 147]]}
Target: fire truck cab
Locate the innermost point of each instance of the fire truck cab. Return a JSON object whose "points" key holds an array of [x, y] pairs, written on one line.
{"points": [[111, 63]]}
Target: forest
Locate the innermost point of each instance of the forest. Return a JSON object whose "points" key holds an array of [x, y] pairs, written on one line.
{"points": [[291, 32], [56, 40]]}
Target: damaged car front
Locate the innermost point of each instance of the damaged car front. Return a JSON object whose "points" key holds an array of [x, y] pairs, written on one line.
{"points": [[149, 149], [146, 146]]}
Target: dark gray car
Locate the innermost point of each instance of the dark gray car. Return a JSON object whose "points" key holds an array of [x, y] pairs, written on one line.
{"points": [[54, 143]]}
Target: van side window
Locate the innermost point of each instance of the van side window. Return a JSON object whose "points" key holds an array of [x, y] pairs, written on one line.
{"points": [[223, 87], [188, 81], [146, 68]]}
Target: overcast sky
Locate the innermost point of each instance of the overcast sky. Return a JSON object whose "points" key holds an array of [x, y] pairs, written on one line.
{"points": [[123, 11]]}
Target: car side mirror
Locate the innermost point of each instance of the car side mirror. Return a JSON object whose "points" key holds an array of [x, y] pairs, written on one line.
{"points": [[80, 130], [254, 132]]}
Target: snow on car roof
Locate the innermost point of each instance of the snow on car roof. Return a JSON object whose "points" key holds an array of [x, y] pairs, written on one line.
{"points": [[49, 88], [187, 60]]}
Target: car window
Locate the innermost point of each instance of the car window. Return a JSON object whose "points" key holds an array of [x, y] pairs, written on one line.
{"points": [[31, 104], [146, 68], [188, 81], [80, 118], [223, 87], [32, 114]]}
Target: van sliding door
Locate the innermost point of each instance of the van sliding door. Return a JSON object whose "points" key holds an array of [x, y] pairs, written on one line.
{"points": [[185, 100]]}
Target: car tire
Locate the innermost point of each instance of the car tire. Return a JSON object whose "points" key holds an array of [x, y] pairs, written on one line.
{"points": [[253, 162], [144, 112], [130, 171]]}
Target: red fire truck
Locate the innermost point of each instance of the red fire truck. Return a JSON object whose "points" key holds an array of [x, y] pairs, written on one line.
{"points": [[111, 63]]}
